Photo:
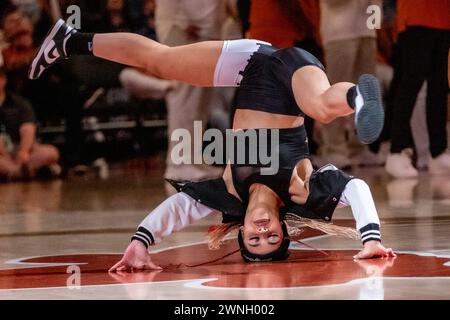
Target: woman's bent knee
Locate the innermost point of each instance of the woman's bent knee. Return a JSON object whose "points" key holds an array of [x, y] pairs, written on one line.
{"points": [[321, 112]]}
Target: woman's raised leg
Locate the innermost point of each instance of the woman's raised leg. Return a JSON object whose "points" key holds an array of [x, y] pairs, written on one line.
{"points": [[317, 98], [193, 64]]}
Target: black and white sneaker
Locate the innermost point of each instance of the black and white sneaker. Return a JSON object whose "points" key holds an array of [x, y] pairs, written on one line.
{"points": [[52, 50], [369, 110]]}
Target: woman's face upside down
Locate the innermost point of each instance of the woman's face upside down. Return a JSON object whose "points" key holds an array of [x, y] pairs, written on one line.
{"points": [[262, 231]]}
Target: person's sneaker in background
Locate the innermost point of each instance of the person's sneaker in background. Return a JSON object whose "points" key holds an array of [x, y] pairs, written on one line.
{"points": [[53, 171], [399, 165], [440, 165], [102, 168]]}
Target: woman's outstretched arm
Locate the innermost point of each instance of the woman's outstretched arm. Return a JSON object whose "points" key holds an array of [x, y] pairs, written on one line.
{"points": [[172, 215], [357, 195]]}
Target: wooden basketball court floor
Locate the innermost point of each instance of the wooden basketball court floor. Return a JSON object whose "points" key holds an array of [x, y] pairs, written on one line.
{"points": [[58, 239]]}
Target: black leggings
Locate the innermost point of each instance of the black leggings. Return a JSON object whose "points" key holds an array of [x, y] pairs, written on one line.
{"points": [[423, 54]]}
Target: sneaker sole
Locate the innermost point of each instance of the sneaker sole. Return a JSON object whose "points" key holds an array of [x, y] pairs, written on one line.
{"points": [[370, 119], [51, 34]]}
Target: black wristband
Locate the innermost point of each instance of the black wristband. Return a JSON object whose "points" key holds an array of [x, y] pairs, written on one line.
{"points": [[144, 236], [370, 232]]}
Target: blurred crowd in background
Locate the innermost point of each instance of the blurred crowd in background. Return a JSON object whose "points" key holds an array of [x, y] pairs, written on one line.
{"points": [[88, 112]]}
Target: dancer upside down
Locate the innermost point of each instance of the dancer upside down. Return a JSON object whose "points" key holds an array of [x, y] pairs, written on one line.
{"points": [[276, 89]]}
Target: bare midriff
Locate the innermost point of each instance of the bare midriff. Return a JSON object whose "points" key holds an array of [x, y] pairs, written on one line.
{"points": [[251, 119]]}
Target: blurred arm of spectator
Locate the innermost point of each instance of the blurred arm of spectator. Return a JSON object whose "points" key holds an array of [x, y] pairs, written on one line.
{"points": [[27, 140], [30, 153], [21, 125], [232, 9], [232, 27]]}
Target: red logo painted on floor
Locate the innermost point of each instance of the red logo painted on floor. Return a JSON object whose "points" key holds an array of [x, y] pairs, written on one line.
{"points": [[304, 268]]}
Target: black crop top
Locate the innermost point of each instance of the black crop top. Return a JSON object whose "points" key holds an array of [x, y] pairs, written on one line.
{"points": [[293, 147], [266, 83]]}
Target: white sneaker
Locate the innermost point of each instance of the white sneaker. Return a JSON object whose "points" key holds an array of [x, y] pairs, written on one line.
{"points": [[399, 165], [441, 164], [52, 50], [102, 168], [55, 170]]}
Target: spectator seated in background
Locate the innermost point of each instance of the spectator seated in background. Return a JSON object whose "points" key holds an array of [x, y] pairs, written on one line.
{"points": [[20, 155]]}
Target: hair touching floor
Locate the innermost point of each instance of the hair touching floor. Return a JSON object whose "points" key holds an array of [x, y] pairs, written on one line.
{"points": [[295, 224]]}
